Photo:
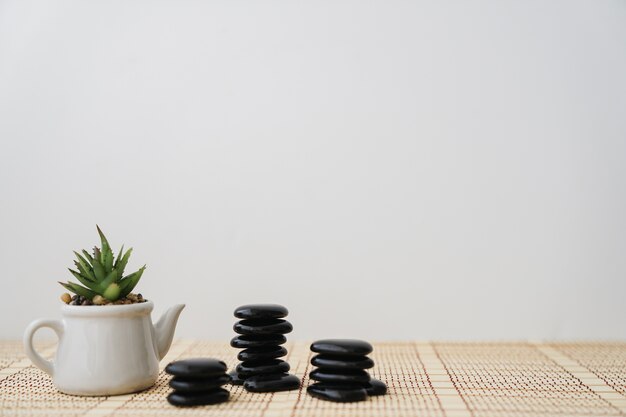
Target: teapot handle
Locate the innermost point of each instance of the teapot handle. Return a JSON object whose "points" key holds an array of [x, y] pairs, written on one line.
{"points": [[33, 355]]}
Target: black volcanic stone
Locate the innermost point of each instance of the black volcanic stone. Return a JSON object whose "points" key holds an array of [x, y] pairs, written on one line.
{"points": [[261, 332], [261, 311], [262, 326], [338, 376], [259, 353], [249, 341], [375, 387], [185, 399], [342, 393], [196, 368], [272, 383], [264, 367], [182, 384], [342, 362], [347, 347], [235, 379]]}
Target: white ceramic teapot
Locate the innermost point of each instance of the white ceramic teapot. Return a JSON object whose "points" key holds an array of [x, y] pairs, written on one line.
{"points": [[105, 350]]}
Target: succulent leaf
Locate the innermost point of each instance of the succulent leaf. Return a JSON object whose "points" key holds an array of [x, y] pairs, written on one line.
{"points": [[87, 283], [107, 262], [84, 267], [77, 289], [119, 256], [122, 263], [129, 282], [97, 255], [112, 292], [85, 273], [88, 257], [111, 278], [103, 239], [107, 253], [98, 270]]}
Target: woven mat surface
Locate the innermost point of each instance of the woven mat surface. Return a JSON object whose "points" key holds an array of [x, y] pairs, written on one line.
{"points": [[424, 379]]}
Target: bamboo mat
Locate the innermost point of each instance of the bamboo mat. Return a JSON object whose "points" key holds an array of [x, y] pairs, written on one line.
{"points": [[424, 379]]}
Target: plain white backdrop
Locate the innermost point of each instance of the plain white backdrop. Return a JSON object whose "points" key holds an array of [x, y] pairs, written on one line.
{"points": [[385, 169]]}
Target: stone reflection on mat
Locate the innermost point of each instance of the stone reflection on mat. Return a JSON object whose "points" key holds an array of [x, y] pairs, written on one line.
{"points": [[261, 332], [341, 371], [197, 382]]}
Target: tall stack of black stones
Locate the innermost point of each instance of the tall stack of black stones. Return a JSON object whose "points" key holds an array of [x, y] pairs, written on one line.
{"points": [[197, 382], [261, 332], [341, 371]]}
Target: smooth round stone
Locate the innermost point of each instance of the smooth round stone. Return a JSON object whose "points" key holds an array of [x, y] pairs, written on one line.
{"points": [[196, 368], [182, 384], [185, 399], [262, 326], [235, 379], [341, 393], [348, 347], [260, 353], [251, 341], [342, 362], [261, 311], [375, 387], [338, 376], [272, 383], [271, 366]]}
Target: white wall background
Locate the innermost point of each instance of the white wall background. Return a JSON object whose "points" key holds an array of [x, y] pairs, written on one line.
{"points": [[386, 169]]}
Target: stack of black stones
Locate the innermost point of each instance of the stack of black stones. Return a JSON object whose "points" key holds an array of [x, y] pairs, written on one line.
{"points": [[197, 382], [261, 332], [341, 371]]}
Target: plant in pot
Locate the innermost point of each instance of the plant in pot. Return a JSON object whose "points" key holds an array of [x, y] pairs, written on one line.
{"points": [[107, 342]]}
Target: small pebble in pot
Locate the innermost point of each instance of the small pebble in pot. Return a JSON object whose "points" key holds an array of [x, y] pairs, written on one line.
{"points": [[66, 298], [99, 300], [87, 302]]}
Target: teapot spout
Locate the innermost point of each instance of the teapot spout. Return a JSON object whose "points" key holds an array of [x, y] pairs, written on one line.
{"points": [[164, 329]]}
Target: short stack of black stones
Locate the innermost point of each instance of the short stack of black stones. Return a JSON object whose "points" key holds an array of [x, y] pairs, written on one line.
{"points": [[261, 332], [341, 371], [197, 382]]}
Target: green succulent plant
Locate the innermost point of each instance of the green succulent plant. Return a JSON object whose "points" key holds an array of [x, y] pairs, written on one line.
{"points": [[102, 273]]}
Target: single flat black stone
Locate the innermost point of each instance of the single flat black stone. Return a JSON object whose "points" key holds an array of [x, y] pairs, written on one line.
{"points": [[196, 368], [261, 311], [249, 341], [338, 376], [235, 379], [348, 347], [342, 362], [272, 383], [182, 384], [262, 326], [375, 387], [185, 399], [341, 393], [264, 367], [259, 353]]}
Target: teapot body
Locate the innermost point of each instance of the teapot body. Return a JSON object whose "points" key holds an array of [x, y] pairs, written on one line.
{"points": [[102, 350], [111, 353]]}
